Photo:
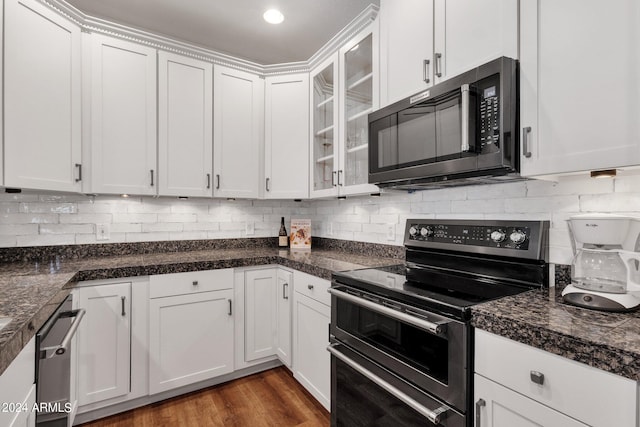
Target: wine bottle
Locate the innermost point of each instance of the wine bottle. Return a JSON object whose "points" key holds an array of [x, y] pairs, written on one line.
{"points": [[283, 238]]}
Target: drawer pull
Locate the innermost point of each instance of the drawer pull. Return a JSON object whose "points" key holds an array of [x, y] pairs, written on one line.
{"points": [[537, 377], [310, 287], [195, 283]]}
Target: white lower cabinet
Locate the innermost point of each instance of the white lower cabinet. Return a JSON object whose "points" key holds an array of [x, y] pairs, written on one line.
{"points": [[18, 391], [311, 318], [260, 314], [283, 296], [518, 385], [111, 342], [190, 328], [104, 340]]}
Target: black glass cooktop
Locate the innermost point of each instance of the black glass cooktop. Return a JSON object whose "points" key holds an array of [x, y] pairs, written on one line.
{"points": [[446, 293]]}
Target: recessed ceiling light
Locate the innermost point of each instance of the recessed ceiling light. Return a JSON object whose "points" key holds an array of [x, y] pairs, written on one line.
{"points": [[273, 16]]}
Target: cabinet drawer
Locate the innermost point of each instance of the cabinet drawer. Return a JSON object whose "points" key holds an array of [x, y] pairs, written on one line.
{"points": [[313, 287], [570, 387], [165, 285]]}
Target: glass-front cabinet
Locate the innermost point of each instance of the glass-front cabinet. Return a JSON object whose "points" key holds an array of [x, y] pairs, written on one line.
{"points": [[344, 92]]}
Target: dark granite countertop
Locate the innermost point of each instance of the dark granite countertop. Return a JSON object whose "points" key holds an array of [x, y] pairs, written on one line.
{"points": [[607, 341], [31, 291]]}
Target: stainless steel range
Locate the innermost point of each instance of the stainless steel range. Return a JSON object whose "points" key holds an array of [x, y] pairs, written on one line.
{"points": [[402, 343]]}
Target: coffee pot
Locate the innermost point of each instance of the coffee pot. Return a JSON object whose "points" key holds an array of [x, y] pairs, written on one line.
{"points": [[605, 272]]}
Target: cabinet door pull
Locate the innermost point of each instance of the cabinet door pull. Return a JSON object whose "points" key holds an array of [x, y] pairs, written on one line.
{"points": [[425, 71], [339, 176], [333, 178], [267, 184], [79, 178], [217, 181], [151, 177], [230, 308], [285, 286], [526, 150], [208, 181], [479, 405], [437, 64], [122, 300], [537, 377]]}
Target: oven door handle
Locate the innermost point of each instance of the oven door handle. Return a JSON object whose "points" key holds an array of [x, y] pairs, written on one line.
{"points": [[435, 416], [431, 327], [58, 350]]}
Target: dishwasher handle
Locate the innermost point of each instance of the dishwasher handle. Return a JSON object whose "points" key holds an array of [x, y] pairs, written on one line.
{"points": [[58, 350]]}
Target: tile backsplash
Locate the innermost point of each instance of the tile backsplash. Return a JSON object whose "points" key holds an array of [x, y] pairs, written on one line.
{"points": [[34, 219]]}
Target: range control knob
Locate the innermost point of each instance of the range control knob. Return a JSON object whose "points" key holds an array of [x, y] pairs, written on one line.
{"points": [[498, 236], [426, 231], [413, 231], [518, 237]]}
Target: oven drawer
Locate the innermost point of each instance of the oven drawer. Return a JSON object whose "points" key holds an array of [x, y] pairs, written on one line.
{"points": [[165, 285], [572, 388], [313, 287]]}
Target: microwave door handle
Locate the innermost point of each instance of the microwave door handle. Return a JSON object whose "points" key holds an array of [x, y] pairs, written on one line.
{"points": [[464, 122]]}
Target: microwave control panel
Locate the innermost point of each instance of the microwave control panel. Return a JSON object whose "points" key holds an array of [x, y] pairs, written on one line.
{"points": [[489, 97]]}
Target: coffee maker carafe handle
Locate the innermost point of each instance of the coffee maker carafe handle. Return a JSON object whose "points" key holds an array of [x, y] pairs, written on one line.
{"points": [[632, 262]]}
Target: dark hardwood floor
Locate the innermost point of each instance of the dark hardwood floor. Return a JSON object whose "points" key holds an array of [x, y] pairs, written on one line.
{"points": [[270, 398]]}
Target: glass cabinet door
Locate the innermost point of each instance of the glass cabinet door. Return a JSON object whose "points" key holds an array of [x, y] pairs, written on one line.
{"points": [[358, 93], [324, 129]]}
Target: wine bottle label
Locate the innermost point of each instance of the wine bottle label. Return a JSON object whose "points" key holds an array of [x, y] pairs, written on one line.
{"points": [[283, 240]]}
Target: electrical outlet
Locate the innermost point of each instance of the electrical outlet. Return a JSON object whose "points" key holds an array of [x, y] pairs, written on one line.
{"points": [[103, 232], [249, 228], [391, 232]]}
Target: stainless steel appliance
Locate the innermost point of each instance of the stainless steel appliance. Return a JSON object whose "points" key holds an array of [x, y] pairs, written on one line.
{"points": [[605, 272], [53, 365], [401, 340], [463, 130]]}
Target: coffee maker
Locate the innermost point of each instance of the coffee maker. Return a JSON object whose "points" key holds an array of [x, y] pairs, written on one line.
{"points": [[605, 272]]}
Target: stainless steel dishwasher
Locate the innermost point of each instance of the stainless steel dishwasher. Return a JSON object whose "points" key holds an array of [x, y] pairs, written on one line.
{"points": [[53, 365]]}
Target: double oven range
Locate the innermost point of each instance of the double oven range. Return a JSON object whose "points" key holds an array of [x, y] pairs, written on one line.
{"points": [[401, 340]]}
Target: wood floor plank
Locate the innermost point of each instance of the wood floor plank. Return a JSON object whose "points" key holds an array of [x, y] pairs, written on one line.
{"points": [[268, 399]]}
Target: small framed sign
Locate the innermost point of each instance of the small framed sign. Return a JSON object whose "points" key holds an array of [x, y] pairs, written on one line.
{"points": [[300, 236]]}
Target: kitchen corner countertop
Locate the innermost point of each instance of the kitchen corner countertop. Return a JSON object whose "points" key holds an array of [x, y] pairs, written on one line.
{"points": [[31, 292], [607, 341]]}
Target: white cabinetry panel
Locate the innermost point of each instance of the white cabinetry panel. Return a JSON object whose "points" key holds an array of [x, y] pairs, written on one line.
{"points": [[123, 117], [284, 294], [260, 313], [42, 129], [287, 137], [238, 118], [185, 126]]}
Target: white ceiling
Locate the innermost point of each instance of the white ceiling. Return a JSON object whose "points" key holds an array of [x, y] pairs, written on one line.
{"points": [[236, 27]]}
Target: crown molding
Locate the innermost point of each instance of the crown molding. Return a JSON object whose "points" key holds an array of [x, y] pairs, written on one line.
{"points": [[91, 24]]}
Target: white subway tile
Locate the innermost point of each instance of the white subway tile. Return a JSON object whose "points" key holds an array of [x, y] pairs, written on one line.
{"points": [[614, 202], [8, 241], [9, 207], [36, 207], [457, 215], [569, 185], [135, 217], [86, 239], [207, 218], [201, 226], [62, 198], [188, 235], [362, 219], [232, 226], [125, 227], [189, 206], [627, 183], [497, 191], [226, 234], [67, 229], [109, 206], [348, 226], [161, 226], [87, 218], [46, 240], [18, 229], [147, 237], [478, 206], [187, 217], [384, 219], [452, 193], [29, 218], [394, 208], [432, 207], [18, 197], [543, 204], [560, 255]]}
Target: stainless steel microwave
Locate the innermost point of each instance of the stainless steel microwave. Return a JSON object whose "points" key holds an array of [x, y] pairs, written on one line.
{"points": [[463, 130]]}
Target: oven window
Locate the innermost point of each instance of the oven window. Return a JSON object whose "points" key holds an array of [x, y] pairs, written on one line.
{"points": [[360, 402], [413, 346]]}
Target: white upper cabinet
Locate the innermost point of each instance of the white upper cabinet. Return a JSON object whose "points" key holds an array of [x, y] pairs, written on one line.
{"points": [[238, 119], [579, 85], [123, 117], [287, 137], [344, 90], [468, 33], [406, 48], [185, 126], [424, 42], [42, 129]]}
